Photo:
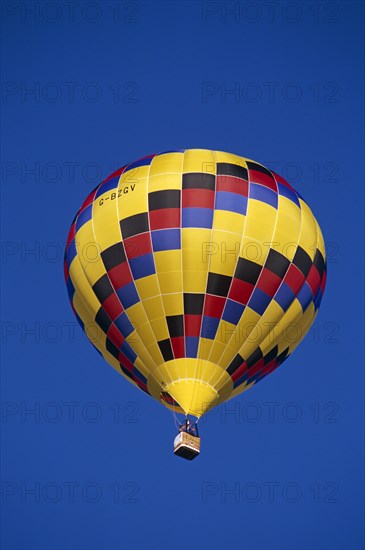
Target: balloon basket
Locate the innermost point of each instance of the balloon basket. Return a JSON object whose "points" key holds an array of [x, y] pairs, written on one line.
{"points": [[187, 446]]}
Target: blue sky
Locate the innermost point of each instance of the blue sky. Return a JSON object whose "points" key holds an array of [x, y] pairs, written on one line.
{"points": [[86, 89]]}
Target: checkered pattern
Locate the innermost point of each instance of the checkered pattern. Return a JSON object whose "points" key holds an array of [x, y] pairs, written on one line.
{"points": [[195, 254]]}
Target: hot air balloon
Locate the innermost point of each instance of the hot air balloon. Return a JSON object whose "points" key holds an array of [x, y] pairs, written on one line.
{"points": [[195, 274]]}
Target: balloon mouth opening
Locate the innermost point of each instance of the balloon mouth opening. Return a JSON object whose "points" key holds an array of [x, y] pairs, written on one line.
{"points": [[190, 386], [168, 400], [190, 396]]}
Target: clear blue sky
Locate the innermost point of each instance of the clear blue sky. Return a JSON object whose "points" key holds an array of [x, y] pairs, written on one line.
{"points": [[113, 82]]}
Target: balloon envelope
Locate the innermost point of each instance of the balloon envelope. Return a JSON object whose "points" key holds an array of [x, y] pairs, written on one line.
{"points": [[195, 274]]}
